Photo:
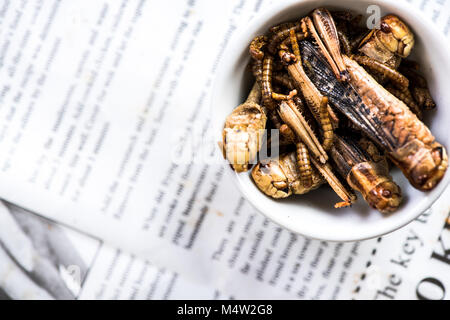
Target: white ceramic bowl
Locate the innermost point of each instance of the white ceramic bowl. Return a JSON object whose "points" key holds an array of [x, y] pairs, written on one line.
{"points": [[313, 215]]}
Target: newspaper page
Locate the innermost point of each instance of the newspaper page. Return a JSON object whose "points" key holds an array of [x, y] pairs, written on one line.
{"points": [[77, 150], [40, 259]]}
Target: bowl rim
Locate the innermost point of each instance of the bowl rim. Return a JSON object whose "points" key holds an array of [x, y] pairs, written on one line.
{"points": [[262, 18]]}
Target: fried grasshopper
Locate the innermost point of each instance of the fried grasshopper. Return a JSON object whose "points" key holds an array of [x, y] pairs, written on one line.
{"points": [[394, 40], [243, 132], [383, 118], [366, 171], [293, 117], [372, 85], [280, 178]]}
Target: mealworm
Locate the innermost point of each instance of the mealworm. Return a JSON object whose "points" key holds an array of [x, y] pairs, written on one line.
{"points": [[256, 47], [282, 33], [294, 44], [325, 123], [266, 82], [304, 164], [399, 80], [279, 96], [275, 119], [345, 43], [257, 70]]}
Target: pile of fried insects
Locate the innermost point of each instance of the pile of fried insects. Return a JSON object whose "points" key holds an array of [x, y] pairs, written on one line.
{"points": [[346, 103]]}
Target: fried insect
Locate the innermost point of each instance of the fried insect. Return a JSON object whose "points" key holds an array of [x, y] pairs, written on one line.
{"points": [[280, 178], [312, 96], [279, 96], [268, 95], [326, 29], [304, 164], [413, 148], [285, 55], [394, 38], [419, 86], [300, 36], [282, 32], [408, 99], [326, 171], [383, 118], [256, 47], [341, 95], [243, 132], [294, 44], [266, 83], [366, 175], [325, 123], [399, 80], [287, 136], [292, 117], [257, 69], [262, 70], [322, 48], [345, 42]]}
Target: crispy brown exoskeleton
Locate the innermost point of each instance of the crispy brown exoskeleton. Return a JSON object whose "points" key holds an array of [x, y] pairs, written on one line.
{"points": [[256, 47], [412, 147], [383, 118], [257, 71], [294, 45], [280, 178], [312, 96], [281, 33], [304, 165], [408, 99], [280, 96], [345, 42], [366, 175], [325, 123], [268, 95], [266, 82], [423, 98], [326, 29], [393, 39], [294, 119], [243, 132], [399, 80], [292, 116], [287, 136]]}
